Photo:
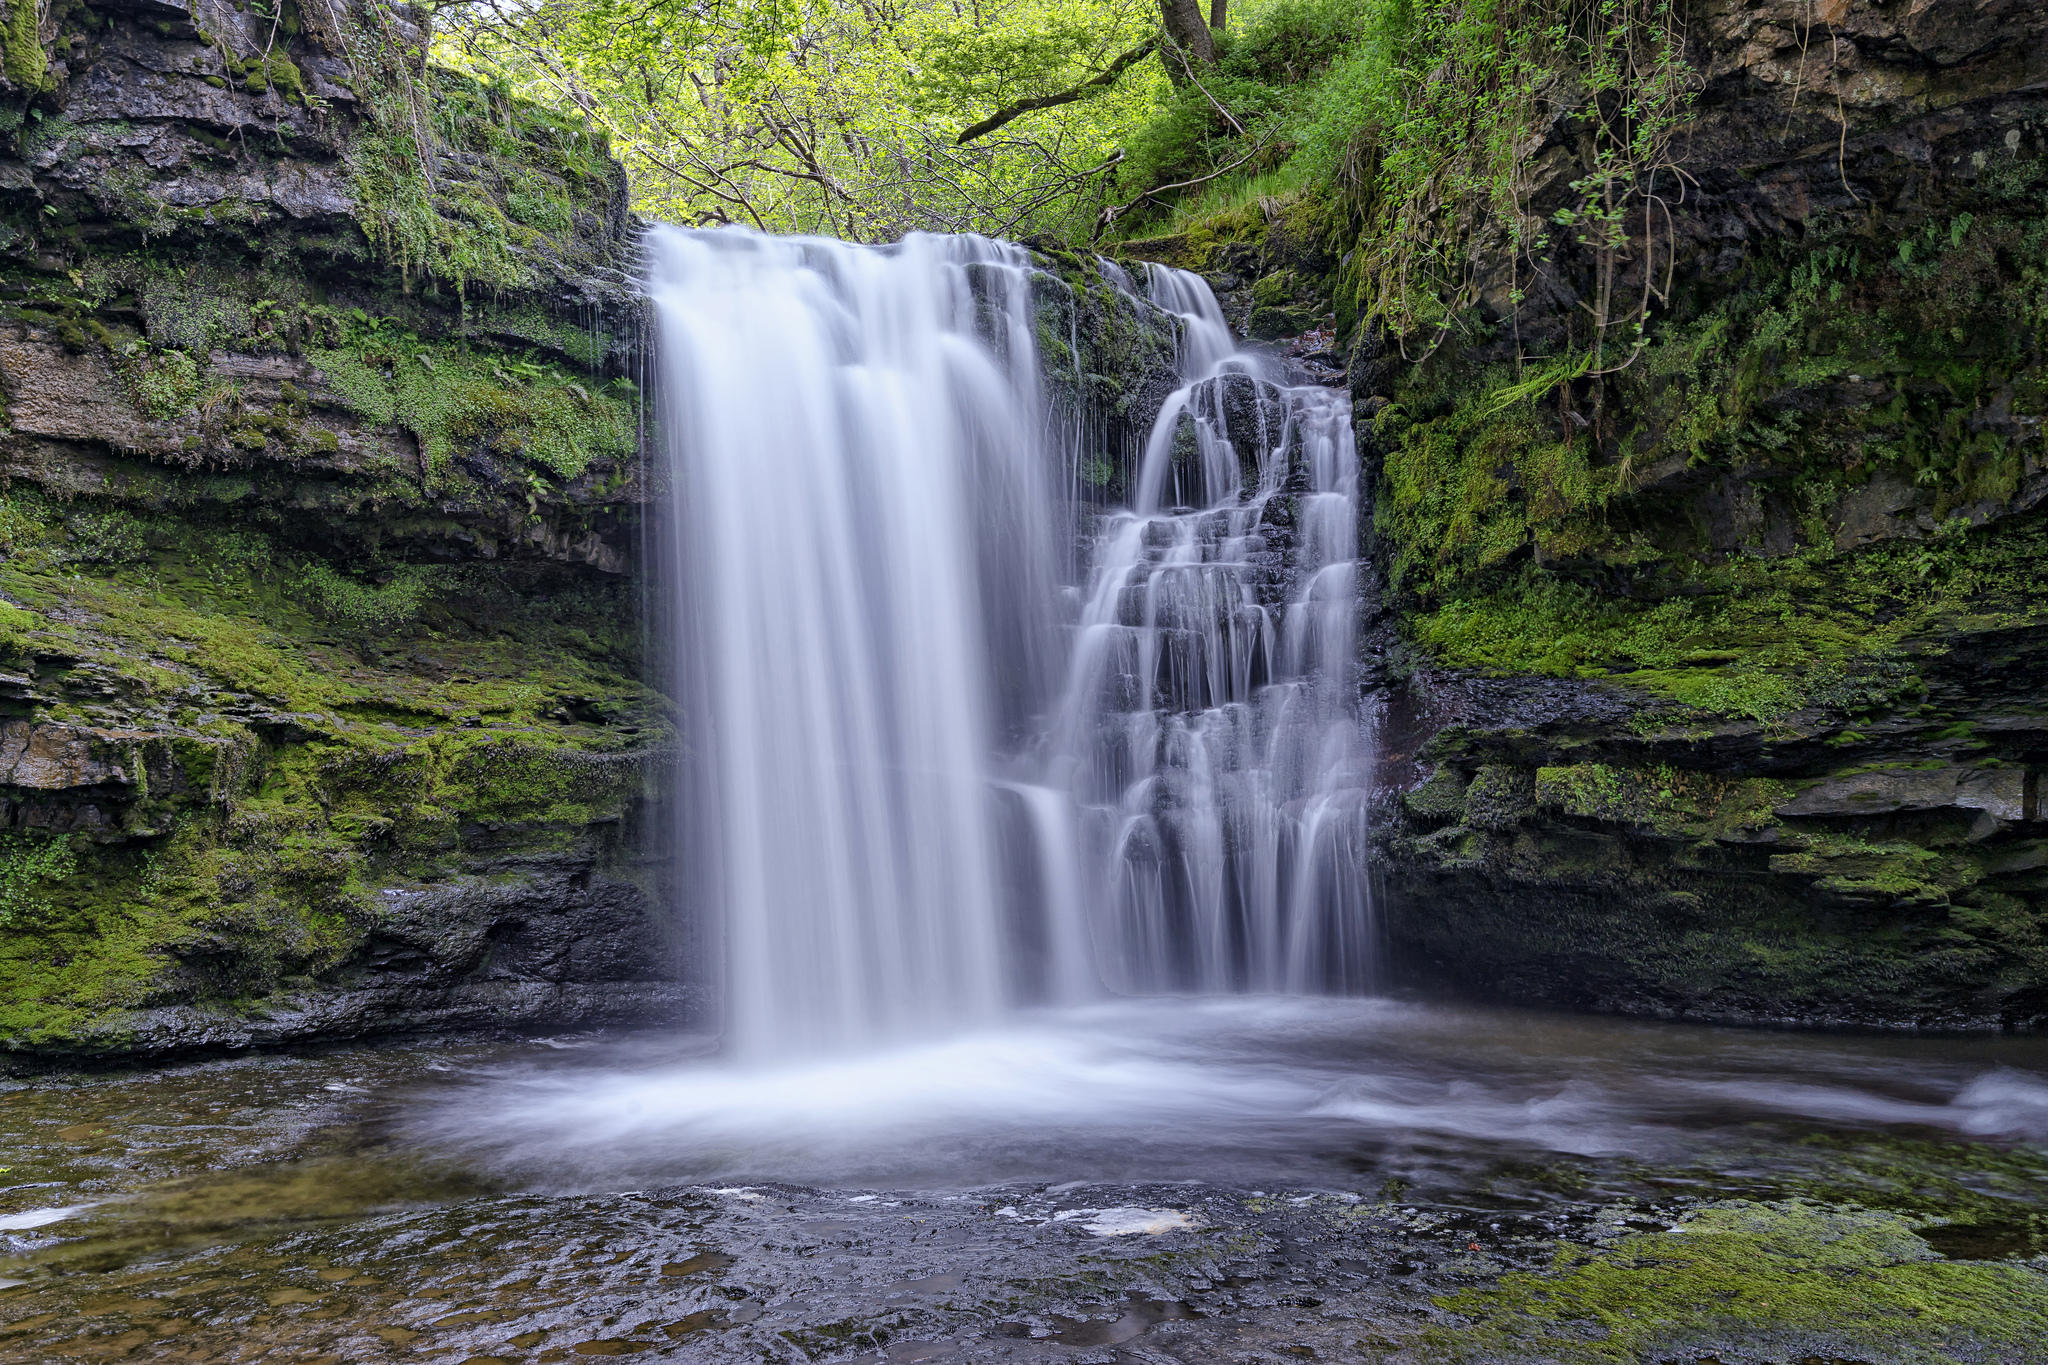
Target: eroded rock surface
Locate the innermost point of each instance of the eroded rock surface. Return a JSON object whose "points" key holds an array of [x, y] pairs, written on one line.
{"points": [[323, 710]]}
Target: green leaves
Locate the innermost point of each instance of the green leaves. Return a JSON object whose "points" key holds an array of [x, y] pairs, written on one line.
{"points": [[834, 116]]}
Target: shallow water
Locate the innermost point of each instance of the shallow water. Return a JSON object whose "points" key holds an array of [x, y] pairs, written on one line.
{"points": [[1145, 1181], [1288, 1089]]}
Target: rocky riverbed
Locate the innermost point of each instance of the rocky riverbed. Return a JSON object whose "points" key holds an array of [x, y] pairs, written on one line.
{"points": [[1572, 1191]]}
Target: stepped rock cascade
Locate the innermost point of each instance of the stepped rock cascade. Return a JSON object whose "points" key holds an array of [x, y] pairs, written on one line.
{"points": [[929, 779], [1210, 734]]}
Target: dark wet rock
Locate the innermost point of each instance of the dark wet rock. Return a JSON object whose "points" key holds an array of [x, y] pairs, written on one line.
{"points": [[321, 628], [1253, 418], [1576, 844]]}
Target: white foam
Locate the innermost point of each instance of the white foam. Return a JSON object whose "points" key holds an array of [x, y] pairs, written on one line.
{"points": [[40, 1218], [1132, 1222]]}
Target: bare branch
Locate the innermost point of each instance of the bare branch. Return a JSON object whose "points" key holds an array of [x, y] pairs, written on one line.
{"points": [[1115, 211]]}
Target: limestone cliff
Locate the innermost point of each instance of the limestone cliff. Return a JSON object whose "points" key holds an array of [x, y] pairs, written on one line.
{"points": [[322, 680]]}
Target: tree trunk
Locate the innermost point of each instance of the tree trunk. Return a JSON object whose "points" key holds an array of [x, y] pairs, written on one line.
{"points": [[1219, 12], [1187, 33]]}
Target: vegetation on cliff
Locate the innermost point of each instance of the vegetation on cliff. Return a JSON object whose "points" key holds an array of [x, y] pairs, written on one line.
{"points": [[324, 705]]}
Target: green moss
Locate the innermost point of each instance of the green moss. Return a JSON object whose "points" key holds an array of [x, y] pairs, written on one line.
{"points": [[26, 64], [1545, 519], [1750, 638], [254, 857], [277, 637], [29, 862], [1671, 801], [1894, 871], [369, 606], [585, 346], [1439, 799], [454, 232], [275, 70], [493, 214], [110, 536], [451, 397], [359, 382], [1785, 1278], [15, 625], [540, 207], [165, 383]]}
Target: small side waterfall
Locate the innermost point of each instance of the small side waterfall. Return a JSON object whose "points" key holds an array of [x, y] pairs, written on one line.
{"points": [[1210, 731], [929, 779]]}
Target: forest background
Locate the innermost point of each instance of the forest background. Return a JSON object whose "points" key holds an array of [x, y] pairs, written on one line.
{"points": [[867, 119]]}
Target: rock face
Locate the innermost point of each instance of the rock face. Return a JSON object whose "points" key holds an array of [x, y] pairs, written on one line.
{"points": [[1714, 663], [1784, 574], [321, 698]]}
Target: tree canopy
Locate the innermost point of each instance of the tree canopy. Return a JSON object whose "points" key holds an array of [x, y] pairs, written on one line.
{"points": [[856, 118]]}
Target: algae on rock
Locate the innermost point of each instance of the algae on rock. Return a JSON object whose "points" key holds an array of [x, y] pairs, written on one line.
{"points": [[324, 708]]}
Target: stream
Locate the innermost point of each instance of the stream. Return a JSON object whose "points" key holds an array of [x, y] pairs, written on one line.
{"points": [[1242, 1179]]}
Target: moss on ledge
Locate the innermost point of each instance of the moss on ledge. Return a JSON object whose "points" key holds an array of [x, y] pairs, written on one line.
{"points": [[1786, 1279], [283, 761]]}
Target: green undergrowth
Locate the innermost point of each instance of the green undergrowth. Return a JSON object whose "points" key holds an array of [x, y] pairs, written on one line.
{"points": [[1675, 523], [1914, 357], [462, 183], [1405, 129], [1783, 1277], [452, 396], [1269, 75]]}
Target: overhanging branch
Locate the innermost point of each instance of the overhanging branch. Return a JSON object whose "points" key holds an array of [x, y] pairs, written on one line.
{"points": [[1107, 76]]}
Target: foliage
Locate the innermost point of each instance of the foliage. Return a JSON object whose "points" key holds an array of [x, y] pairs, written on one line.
{"points": [[164, 382], [453, 397], [832, 116], [454, 232], [113, 536], [28, 864], [1867, 358], [373, 607]]}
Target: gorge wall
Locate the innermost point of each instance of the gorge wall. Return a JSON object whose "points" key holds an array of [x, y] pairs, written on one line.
{"points": [[321, 706], [1718, 682]]}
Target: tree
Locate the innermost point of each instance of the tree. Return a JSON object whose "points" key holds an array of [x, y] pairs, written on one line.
{"points": [[1187, 34], [859, 118]]}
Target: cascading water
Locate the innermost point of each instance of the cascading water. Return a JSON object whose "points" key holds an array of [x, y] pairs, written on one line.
{"points": [[928, 778], [1210, 732]]}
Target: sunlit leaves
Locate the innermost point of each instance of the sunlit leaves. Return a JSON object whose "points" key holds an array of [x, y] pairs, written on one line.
{"points": [[835, 116]]}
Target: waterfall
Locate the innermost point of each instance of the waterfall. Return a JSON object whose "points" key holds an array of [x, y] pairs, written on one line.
{"points": [[927, 778]]}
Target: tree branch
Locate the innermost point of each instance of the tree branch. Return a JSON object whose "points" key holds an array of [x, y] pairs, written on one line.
{"points": [[1115, 211], [1107, 76]]}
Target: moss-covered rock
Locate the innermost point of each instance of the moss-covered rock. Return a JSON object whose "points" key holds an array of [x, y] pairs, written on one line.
{"points": [[1712, 649], [321, 706]]}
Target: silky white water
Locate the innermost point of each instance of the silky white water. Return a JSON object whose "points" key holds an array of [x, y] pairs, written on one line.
{"points": [[1231, 1089], [936, 768], [1210, 735]]}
